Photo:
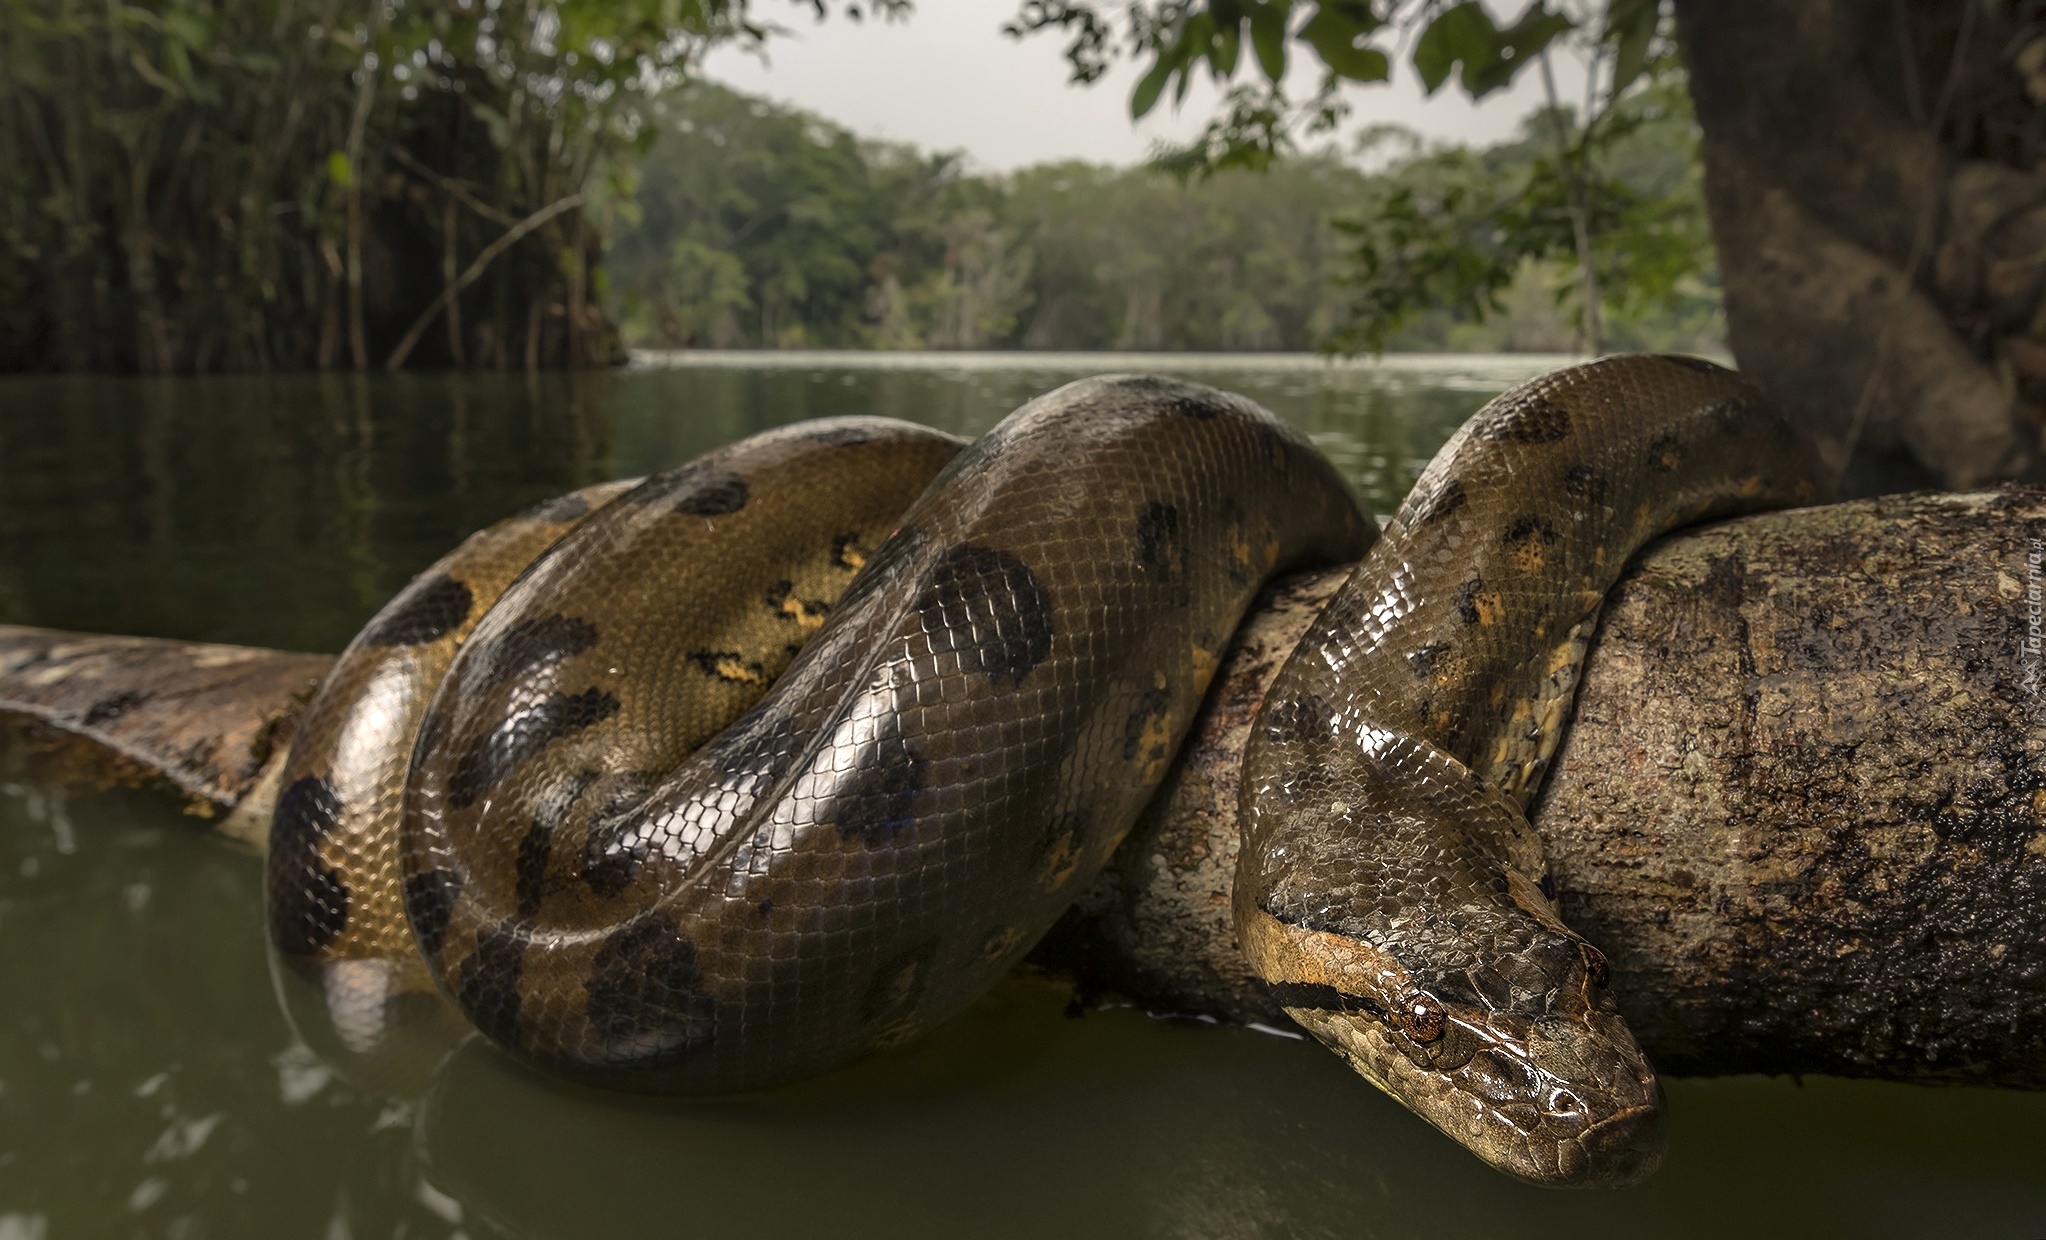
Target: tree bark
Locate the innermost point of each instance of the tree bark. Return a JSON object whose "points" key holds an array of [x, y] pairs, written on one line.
{"points": [[1881, 231], [1802, 806]]}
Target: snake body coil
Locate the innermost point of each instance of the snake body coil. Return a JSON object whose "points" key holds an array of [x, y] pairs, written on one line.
{"points": [[954, 752], [623, 863]]}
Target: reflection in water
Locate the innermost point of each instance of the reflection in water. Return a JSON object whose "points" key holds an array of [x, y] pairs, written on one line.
{"points": [[149, 1085], [1018, 1121]]}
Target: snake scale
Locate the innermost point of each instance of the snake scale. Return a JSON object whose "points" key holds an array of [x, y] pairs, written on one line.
{"points": [[734, 774]]}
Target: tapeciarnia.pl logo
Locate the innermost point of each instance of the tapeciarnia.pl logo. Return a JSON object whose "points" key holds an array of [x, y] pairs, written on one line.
{"points": [[2032, 648]]}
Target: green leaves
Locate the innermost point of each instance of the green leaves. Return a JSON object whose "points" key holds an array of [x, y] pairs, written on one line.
{"points": [[1340, 32], [1631, 26], [1184, 35], [1453, 231], [1489, 55]]}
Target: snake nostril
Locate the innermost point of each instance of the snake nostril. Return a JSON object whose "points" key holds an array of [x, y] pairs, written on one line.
{"points": [[1564, 1103], [1595, 964]]}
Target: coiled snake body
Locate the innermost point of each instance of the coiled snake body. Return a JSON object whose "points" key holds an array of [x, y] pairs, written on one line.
{"points": [[622, 862]]}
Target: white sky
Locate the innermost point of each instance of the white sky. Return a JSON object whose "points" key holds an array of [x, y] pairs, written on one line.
{"points": [[948, 79]]}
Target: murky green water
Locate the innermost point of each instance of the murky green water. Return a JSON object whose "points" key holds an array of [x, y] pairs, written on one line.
{"points": [[149, 1087]]}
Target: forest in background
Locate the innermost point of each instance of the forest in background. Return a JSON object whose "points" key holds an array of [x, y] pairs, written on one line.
{"points": [[756, 225], [254, 185]]}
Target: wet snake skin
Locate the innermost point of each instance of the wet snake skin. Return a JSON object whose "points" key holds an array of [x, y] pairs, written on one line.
{"points": [[762, 766], [1390, 886], [336, 907], [965, 735]]}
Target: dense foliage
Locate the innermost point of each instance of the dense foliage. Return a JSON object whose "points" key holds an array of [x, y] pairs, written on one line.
{"points": [[1460, 239], [757, 225], [246, 184]]}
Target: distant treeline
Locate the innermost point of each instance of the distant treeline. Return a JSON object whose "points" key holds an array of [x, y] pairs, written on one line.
{"points": [[763, 226]]}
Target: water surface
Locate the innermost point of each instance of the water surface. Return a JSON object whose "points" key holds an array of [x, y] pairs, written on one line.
{"points": [[149, 1086]]}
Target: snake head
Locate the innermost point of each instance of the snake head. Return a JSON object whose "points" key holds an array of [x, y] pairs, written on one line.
{"points": [[1523, 1059]]}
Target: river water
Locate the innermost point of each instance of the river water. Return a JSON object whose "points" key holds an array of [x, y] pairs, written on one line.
{"points": [[149, 1085]]}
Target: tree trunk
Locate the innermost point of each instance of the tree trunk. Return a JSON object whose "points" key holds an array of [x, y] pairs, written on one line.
{"points": [[1869, 174], [1802, 806]]}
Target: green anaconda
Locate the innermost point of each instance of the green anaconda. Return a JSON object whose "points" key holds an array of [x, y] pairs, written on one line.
{"points": [[731, 775]]}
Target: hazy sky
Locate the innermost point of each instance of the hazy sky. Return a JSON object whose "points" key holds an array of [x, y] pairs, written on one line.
{"points": [[948, 79]]}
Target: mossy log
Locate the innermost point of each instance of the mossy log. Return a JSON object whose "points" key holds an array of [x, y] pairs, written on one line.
{"points": [[1802, 806]]}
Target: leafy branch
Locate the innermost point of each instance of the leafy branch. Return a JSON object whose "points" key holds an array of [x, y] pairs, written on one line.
{"points": [[1443, 237]]}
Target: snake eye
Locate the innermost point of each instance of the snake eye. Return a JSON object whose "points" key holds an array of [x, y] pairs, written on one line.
{"points": [[1421, 1019], [1595, 964]]}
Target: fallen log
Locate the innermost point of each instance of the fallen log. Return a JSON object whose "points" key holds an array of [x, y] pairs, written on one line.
{"points": [[1802, 807]]}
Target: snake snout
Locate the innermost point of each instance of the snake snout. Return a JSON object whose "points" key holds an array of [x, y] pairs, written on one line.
{"points": [[1625, 1148], [1603, 1107]]}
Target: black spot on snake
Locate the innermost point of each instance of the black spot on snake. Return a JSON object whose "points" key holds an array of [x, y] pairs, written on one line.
{"points": [[1055, 853], [614, 849], [1729, 415], [1583, 482], [718, 494], [898, 984], [877, 799], [424, 611], [1160, 553], [842, 436], [523, 733], [487, 981], [1424, 661], [1522, 418], [728, 665], [1665, 452], [1437, 503], [560, 509], [429, 904], [1172, 397], [308, 900], [530, 868], [530, 646], [1151, 707], [1529, 528], [847, 553], [113, 706], [805, 613], [698, 489], [643, 997], [985, 607], [1467, 600]]}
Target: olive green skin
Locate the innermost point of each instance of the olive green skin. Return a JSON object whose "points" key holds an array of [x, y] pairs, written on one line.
{"points": [[335, 914], [937, 773], [336, 910], [1389, 885]]}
